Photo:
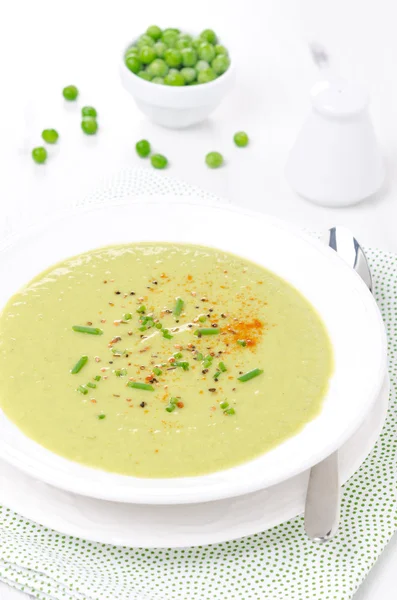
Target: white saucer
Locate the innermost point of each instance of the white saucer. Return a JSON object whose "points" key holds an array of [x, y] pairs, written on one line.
{"points": [[184, 525]]}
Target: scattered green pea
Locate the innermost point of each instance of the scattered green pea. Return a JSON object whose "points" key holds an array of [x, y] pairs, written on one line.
{"points": [[154, 32], [214, 160], [89, 125], [206, 52], [189, 57], [221, 50], [39, 155], [142, 148], [241, 139], [158, 161], [133, 63], [189, 74], [169, 37], [158, 80], [158, 68], [50, 136], [88, 111], [174, 79], [209, 36], [131, 51], [147, 54], [184, 41], [160, 49], [70, 92], [206, 75]]}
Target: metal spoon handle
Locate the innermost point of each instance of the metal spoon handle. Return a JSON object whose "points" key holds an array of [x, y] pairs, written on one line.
{"points": [[323, 500]]}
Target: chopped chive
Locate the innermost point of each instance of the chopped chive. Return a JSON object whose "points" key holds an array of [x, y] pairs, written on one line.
{"points": [[202, 319], [141, 309], [127, 317], [207, 362], [183, 364], [143, 328], [140, 386], [216, 375], [167, 335], [84, 329], [91, 385], [100, 417], [159, 325], [209, 358], [170, 408], [229, 411], [224, 405], [174, 400], [157, 371], [207, 331], [120, 372], [222, 367], [79, 365], [250, 375], [97, 378], [199, 356], [82, 389], [178, 307], [177, 355], [117, 351], [242, 343]]}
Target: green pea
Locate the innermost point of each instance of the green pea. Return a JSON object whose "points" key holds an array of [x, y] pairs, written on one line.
{"points": [[50, 136], [154, 32], [189, 74], [220, 64], [184, 41], [170, 38], [144, 75], [221, 50], [196, 43], [158, 68], [209, 36], [39, 155], [206, 76], [241, 139], [214, 160], [145, 40], [160, 48], [133, 63], [158, 80], [142, 148], [173, 57], [174, 78], [88, 111], [131, 51], [147, 54], [193, 82], [89, 125], [173, 71], [189, 57], [70, 92], [201, 65], [158, 161], [206, 51]]}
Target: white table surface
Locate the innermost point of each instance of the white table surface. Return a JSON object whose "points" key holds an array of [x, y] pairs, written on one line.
{"points": [[46, 45]]}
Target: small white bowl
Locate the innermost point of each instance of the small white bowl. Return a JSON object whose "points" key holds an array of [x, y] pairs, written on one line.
{"points": [[173, 106]]}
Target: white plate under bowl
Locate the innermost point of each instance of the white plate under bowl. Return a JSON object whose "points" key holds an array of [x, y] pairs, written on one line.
{"points": [[147, 526], [349, 312]]}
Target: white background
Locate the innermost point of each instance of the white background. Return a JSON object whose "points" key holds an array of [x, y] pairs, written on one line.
{"points": [[47, 44]]}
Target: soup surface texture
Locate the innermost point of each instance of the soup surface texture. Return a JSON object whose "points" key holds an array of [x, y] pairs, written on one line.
{"points": [[128, 359]]}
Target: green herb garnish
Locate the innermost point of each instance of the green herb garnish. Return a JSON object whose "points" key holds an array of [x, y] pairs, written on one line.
{"points": [[79, 365], [120, 372], [224, 405], [166, 334], [177, 355], [91, 385], [140, 386], [97, 378], [222, 367], [250, 375], [100, 417], [82, 390], [157, 371], [242, 343], [229, 411], [141, 309], [207, 331], [84, 329], [127, 317], [216, 375], [183, 364], [170, 407], [178, 307], [202, 319]]}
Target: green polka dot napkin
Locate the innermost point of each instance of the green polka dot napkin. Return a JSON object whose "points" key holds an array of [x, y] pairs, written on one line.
{"points": [[279, 564]]}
